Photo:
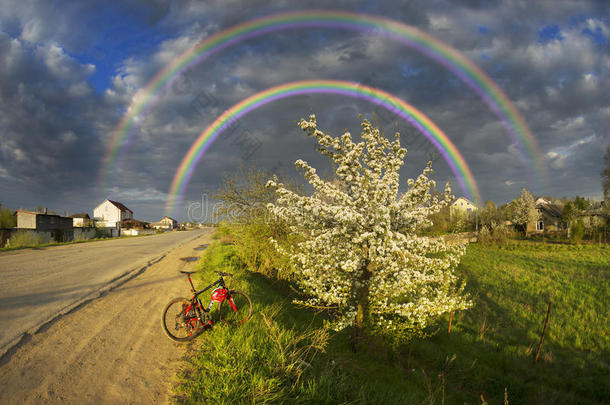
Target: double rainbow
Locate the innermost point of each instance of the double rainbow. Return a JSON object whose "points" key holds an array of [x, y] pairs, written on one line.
{"points": [[453, 60], [447, 149]]}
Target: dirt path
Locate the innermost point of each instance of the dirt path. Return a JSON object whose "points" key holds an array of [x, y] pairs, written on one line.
{"points": [[111, 350]]}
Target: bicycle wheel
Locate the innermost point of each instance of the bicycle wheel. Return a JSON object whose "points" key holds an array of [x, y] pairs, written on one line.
{"points": [[180, 320], [236, 309]]}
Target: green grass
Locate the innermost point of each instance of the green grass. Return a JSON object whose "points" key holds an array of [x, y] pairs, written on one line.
{"points": [[279, 356]]}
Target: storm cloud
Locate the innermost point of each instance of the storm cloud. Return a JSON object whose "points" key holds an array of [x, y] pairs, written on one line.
{"points": [[68, 72]]}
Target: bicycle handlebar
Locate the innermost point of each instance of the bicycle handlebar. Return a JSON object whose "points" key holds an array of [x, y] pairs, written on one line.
{"points": [[220, 273]]}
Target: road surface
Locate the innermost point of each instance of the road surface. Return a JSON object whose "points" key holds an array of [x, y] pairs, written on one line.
{"points": [[108, 346]]}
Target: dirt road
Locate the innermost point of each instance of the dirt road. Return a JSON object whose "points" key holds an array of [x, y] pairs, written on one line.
{"points": [[111, 350], [38, 284]]}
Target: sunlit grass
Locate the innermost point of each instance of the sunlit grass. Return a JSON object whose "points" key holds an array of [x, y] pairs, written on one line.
{"points": [[490, 349]]}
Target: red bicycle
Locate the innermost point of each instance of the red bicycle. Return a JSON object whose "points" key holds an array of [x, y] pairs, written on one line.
{"points": [[185, 318]]}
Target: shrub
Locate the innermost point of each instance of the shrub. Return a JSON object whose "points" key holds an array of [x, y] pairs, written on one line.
{"points": [[7, 219], [256, 251], [497, 233], [24, 239], [577, 231]]}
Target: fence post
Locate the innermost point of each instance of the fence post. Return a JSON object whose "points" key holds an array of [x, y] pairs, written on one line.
{"points": [[546, 323]]}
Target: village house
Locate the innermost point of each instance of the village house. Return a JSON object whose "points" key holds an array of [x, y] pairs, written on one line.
{"points": [[81, 220], [135, 227], [134, 224], [111, 213], [166, 223], [41, 221], [550, 218], [52, 226], [462, 206]]}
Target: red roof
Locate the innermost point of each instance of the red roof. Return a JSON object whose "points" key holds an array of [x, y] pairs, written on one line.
{"points": [[120, 206]]}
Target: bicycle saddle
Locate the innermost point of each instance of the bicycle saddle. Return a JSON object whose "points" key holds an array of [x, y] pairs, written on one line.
{"points": [[188, 272], [220, 273]]}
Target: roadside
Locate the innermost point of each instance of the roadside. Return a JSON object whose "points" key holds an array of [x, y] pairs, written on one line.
{"points": [[111, 350], [37, 285], [72, 242]]}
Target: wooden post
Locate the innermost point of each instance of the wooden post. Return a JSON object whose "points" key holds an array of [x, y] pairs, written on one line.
{"points": [[450, 319], [546, 323]]}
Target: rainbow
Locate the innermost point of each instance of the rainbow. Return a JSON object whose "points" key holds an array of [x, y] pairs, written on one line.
{"points": [[450, 58], [409, 113]]}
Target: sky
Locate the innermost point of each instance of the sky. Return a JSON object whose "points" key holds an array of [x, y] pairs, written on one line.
{"points": [[70, 71]]}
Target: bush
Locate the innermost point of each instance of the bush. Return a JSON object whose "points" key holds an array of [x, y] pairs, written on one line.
{"points": [[498, 234], [7, 219], [24, 239], [254, 250], [577, 231]]}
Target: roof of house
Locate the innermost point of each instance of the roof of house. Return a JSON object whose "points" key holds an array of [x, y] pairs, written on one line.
{"points": [[463, 198], [170, 218], [81, 215], [120, 206], [35, 213], [133, 222], [550, 208]]}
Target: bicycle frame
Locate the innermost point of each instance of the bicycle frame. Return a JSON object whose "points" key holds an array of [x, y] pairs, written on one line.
{"points": [[195, 298]]}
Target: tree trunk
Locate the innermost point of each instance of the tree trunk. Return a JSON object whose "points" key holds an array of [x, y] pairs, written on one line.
{"points": [[362, 307]]}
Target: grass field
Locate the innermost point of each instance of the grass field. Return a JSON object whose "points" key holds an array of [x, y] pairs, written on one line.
{"points": [[283, 355]]}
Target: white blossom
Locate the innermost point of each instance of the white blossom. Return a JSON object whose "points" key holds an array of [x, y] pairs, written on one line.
{"points": [[360, 222]]}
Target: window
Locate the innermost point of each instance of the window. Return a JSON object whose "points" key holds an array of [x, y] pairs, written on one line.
{"points": [[540, 226]]}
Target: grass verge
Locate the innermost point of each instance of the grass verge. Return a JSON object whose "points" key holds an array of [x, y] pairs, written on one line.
{"points": [[32, 244], [283, 356]]}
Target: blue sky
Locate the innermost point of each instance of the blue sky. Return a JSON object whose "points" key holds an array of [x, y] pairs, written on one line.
{"points": [[69, 70]]}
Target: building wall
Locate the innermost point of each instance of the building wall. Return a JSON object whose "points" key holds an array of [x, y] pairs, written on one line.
{"points": [[550, 223], [81, 222], [136, 232], [170, 223], [107, 211], [126, 215], [43, 222], [26, 220], [84, 233], [462, 206], [53, 222]]}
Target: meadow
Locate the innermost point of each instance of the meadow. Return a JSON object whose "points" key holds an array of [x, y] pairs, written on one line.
{"points": [[284, 355]]}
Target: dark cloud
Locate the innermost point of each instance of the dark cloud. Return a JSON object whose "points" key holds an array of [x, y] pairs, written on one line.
{"points": [[55, 125]]}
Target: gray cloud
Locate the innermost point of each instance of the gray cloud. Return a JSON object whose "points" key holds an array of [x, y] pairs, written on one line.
{"points": [[561, 87]]}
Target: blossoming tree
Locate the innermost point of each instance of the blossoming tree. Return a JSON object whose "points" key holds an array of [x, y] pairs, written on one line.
{"points": [[359, 252]]}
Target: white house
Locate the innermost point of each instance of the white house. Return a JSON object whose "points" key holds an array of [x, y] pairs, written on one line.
{"points": [[81, 220], [111, 213], [463, 205], [166, 223]]}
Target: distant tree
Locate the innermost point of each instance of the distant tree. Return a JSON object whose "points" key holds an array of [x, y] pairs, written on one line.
{"points": [[581, 203], [569, 213], [490, 214], [505, 212], [7, 219], [606, 177], [524, 210], [243, 198], [577, 231]]}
